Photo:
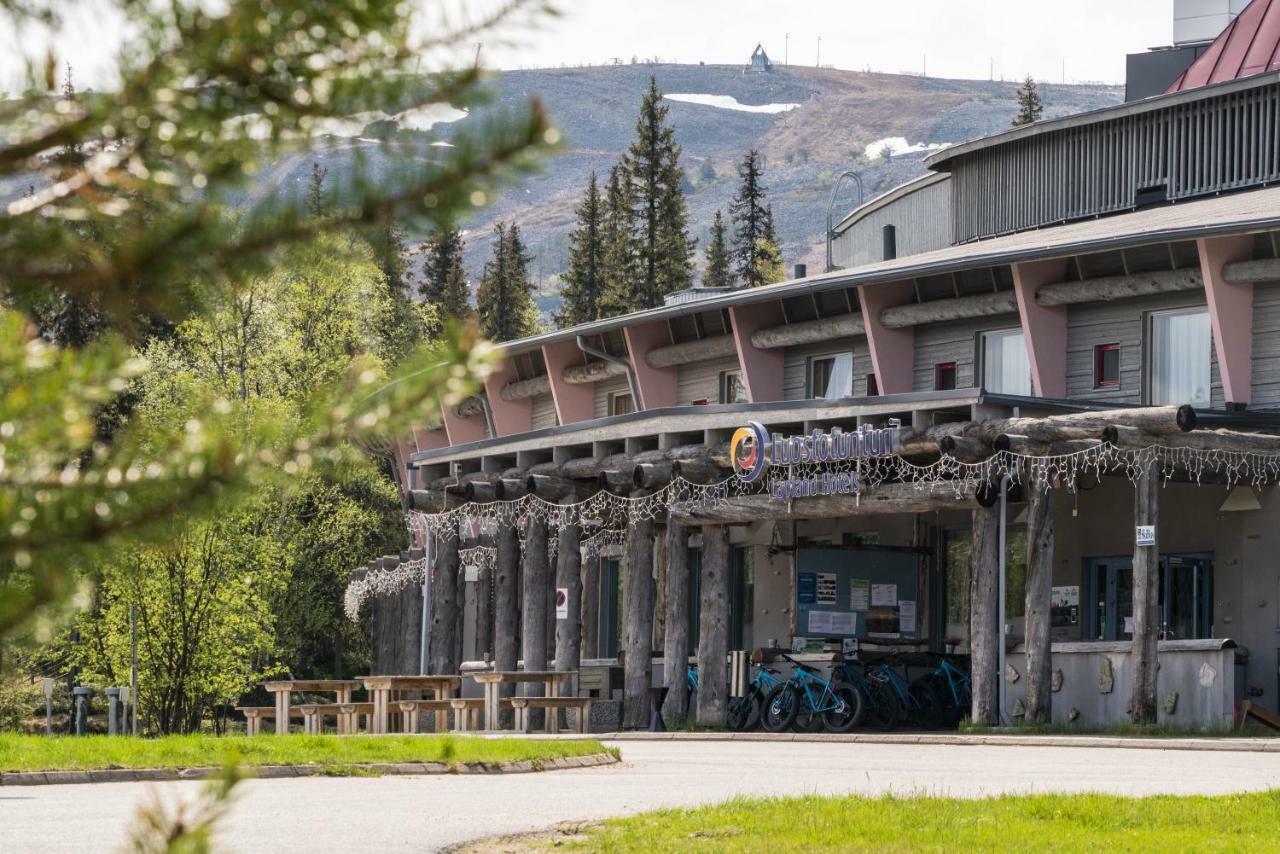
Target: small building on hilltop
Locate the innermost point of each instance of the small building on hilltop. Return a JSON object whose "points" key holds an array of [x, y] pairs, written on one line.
{"points": [[759, 60]]}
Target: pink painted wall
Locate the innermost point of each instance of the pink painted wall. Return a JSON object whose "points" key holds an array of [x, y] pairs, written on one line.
{"points": [[463, 430], [430, 440], [1043, 328], [573, 402], [761, 369], [509, 416], [1231, 313], [892, 350], [657, 385]]}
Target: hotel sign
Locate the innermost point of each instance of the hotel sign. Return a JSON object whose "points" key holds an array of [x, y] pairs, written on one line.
{"points": [[752, 451]]}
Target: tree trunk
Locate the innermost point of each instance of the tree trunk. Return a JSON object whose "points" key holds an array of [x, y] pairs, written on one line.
{"points": [[637, 626], [569, 577], [1040, 532], [506, 607], [675, 649], [713, 627], [1146, 599], [445, 609], [660, 564], [484, 613], [984, 629], [533, 624], [591, 606]]}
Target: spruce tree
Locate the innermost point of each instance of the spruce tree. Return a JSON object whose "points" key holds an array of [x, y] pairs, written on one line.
{"points": [[455, 297], [444, 282], [505, 295], [585, 280], [664, 250], [751, 219], [1030, 105], [618, 238], [717, 273], [768, 269], [317, 205]]}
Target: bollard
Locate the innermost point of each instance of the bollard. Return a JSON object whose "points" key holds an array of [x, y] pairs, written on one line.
{"points": [[126, 709], [81, 694], [48, 706], [113, 710]]}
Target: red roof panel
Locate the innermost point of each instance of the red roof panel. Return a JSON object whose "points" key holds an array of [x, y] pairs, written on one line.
{"points": [[1249, 45]]}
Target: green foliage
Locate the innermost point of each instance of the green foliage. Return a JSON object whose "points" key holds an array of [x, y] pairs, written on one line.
{"points": [[505, 294], [752, 223], [124, 240], [186, 827], [717, 273], [618, 236], [769, 268], [1030, 104], [444, 283], [585, 280]]}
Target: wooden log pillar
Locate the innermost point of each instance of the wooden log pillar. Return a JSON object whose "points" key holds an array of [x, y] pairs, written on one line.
{"points": [[1040, 536], [984, 619], [410, 622], [484, 612], [591, 606], [675, 648], [637, 625], [660, 563], [569, 578], [533, 612], [445, 607], [506, 607], [713, 628], [1146, 596]]}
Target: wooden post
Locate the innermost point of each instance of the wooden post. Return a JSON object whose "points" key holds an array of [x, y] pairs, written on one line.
{"points": [[444, 605], [984, 633], [637, 626], [1040, 530], [713, 627], [533, 624], [484, 612], [506, 609], [591, 606], [569, 577], [1146, 599], [675, 649], [660, 564]]}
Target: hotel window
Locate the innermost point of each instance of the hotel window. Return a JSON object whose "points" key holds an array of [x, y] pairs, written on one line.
{"points": [[1006, 369], [944, 376], [873, 387], [1106, 366], [731, 388], [620, 403], [831, 376], [1180, 356]]}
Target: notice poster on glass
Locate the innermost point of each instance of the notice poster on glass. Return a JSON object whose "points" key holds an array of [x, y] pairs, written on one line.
{"points": [[806, 588], [906, 615], [884, 596], [826, 588], [827, 623], [859, 594]]}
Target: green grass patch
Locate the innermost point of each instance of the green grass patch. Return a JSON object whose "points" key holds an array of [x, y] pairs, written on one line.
{"points": [[64, 753], [890, 823]]}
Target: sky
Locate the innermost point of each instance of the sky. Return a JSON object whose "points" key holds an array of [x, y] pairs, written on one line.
{"points": [[1052, 40]]}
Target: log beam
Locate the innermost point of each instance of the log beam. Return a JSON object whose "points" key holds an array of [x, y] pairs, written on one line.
{"points": [[917, 314], [809, 331], [702, 350], [1107, 288], [593, 372], [1131, 438], [526, 389], [880, 500]]}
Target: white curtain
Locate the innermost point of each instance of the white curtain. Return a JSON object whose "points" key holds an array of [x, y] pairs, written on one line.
{"points": [[1181, 353], [1006, 368], [840, 383]]}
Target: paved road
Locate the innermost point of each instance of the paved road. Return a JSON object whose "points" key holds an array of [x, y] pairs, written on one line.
{"points": [[423, 813]]}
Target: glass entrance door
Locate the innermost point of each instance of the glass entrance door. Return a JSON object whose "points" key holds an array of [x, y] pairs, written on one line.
{"points": [[1186, 597]]}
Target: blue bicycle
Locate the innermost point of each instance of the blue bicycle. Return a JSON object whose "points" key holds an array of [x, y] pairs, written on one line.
{"points": [[808, 702], [744, 711]]}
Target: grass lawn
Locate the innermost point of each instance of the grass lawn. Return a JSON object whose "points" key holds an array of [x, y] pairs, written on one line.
{"points": [[1021, 823], [63, 753]]}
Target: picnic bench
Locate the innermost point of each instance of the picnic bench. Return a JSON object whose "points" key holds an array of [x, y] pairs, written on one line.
{"points": [[282, 688], [384, 690], [255, 715], [347, 716], [492, 680], [522, 705]]}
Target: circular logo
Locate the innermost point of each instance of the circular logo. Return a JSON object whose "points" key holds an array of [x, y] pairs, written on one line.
{"points": [[747, 451]]}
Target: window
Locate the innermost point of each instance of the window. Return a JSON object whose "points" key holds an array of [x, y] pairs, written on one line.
{"points": [[1106, 366], [944, 377], [831, 376], [873, 387], [620, 403], [731, 388], [1180, 351], [1006, 369]]}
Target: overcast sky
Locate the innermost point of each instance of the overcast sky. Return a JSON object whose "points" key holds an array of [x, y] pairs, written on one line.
{"points": [[949, 38]]}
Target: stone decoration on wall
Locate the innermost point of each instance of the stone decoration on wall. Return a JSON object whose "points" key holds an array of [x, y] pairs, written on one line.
{"points": [[1011, 674], [1171, 702], [1207, 675], [1019, 708], [1073, 713], [1106, 677], [1055, 681]]}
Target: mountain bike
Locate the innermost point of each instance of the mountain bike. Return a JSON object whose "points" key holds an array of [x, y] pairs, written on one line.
{"points": [[949, 694], [808, 701], [744, 711]]}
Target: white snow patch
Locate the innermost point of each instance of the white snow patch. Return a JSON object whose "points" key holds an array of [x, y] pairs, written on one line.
{"points": [[429, 115], [440, 143], [728, 102], [899, 145]]}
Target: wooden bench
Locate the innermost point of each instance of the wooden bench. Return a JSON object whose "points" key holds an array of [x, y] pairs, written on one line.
{"points": [[522, 705], [346, 716], [255, 715], [466, 713]]}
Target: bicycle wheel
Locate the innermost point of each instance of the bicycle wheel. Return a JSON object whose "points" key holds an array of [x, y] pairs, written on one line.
{"points": [[780, 709], [849, 711], [929, 712], [883, 708], [807, 720], [744, 712]]}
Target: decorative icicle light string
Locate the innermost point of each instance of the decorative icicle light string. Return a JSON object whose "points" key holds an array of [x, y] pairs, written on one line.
{"points": [[605, 517]]}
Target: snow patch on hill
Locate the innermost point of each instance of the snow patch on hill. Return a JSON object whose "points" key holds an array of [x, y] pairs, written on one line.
{"points": [[728, 102], [899, 145]]}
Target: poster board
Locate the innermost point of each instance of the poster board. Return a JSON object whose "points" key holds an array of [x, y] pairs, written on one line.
{"points": [[845, 593]]}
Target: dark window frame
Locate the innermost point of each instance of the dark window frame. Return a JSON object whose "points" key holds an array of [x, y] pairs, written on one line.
{"points": [[1099, 354], [938, 371]]}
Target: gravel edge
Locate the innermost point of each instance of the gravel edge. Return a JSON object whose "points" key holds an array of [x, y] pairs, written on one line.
{"points": [[1225, 745], [270, 772]]}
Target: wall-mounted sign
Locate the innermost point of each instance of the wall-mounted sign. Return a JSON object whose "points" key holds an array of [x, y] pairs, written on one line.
{"points": [[752, 450], [1145, 535], [1064, 609], [562, 603]]}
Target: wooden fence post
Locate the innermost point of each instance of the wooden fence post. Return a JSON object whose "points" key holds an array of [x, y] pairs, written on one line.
{"points": [[1146, 596], [675, 648], [713, 627], [984, 629], [637, 626], [1040, 536]]}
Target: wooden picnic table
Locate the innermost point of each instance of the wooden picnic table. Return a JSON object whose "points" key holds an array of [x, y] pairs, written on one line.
{"points": [[492, 679], [382, 688], [282, 688]]}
